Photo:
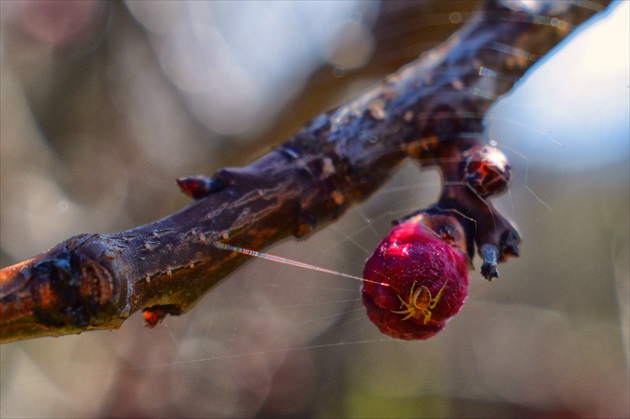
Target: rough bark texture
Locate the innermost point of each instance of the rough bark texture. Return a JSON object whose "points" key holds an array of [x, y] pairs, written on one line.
{"points": [[431, 110]]}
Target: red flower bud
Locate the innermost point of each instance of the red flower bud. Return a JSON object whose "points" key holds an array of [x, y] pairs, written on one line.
{"points": [[488, 171], [417, 278]]}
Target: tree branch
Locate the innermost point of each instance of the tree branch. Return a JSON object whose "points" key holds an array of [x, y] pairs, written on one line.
{"points": [[431, 110]]}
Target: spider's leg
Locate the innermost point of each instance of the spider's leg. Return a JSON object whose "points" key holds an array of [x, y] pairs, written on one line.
{"points": [[410, 315], [418, 295], [435, 300], [427, 315]]}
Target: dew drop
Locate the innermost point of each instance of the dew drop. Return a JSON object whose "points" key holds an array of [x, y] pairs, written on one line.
{"points": [[377, 109], [455, 17], [339, 71], [302, 230], [457, 84], [338, 197], [62, 206]]}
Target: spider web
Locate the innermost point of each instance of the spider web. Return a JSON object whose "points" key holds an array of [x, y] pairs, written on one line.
{"points": [[550, 336]]}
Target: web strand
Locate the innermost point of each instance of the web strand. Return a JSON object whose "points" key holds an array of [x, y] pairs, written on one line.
{"points": [[290, 262]]}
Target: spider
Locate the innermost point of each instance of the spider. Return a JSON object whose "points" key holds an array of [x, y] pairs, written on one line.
{"points": [[420, 301]]}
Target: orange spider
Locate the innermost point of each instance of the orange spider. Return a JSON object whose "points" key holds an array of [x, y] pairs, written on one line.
{"points": [[420, 302]]}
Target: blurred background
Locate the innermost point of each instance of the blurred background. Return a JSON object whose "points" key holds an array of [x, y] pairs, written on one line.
{"points": [[104, 104]]}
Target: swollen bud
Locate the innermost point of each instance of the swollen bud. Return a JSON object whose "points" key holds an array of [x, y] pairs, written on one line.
{"points": [[487, 171], [417, 278]]}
